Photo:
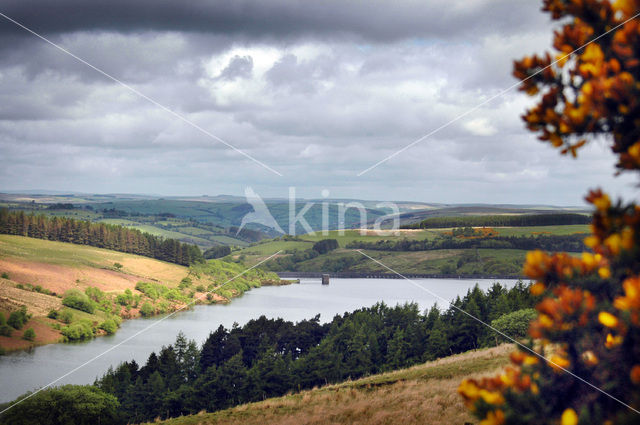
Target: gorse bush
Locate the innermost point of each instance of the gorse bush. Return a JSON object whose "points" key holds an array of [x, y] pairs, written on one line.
{"points": [[18, 318], [94, 294], [65, 315], [588, 320], [109, 326], [78, 331], [147, 310], [125, 298], [73, 298], [152, 290], [5, 330], [29, 334], [185, 283]]}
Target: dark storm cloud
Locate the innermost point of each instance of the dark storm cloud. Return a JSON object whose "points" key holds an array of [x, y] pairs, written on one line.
{"points": [[366, 19]]}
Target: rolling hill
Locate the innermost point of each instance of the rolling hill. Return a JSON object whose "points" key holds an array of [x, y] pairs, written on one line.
{"points": [[484, 260], [36, 273], [214, 220]]}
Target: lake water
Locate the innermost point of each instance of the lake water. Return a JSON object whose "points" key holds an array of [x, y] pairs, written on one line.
{"points": [[26, 371]]}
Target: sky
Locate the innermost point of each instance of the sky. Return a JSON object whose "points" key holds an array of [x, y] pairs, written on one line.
{"points": [[225, 95]]}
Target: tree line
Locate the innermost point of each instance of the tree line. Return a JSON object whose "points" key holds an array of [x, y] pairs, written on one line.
{"points": [[101, 235], [570, 243], [270, 357], [501, 220]]}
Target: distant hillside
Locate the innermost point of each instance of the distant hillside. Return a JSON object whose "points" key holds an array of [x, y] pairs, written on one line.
{"points": [[424, 394], [413, 217], [37, 272], [487, 252], [501, 220], [214, 220]]}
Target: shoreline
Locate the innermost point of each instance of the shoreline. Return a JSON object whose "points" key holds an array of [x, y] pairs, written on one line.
{"points": [[17, 343], [376, 275]]}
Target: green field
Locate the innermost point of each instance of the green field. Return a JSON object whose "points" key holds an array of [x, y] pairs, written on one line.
{"points": [[543, 230], [369, 236], [228, 240], [169, 234], [60, 253], [119, 221], [195, 231], [271, 247]]}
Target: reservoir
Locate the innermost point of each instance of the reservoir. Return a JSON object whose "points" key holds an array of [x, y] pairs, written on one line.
{"points": [[26, 371]]}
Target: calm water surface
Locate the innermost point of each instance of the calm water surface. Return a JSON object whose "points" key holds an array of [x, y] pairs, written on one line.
{"points": [[27, 371]]}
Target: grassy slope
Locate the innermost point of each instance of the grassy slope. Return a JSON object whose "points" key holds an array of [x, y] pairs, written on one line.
{"points": [[423, 394], [79, 257], [57, 267]]}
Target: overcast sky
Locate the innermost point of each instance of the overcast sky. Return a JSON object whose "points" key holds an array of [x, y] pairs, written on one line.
{"points": [[318, 91]]}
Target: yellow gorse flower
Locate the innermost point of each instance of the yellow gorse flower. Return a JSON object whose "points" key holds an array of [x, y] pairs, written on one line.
{"points": [[558, 363], [608, 319], [631, 297], [603, 202], [494, 417], [613, 242], [613, 341], [569, 417], [491, 397]]}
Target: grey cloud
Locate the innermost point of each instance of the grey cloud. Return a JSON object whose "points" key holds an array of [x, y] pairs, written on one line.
{"points": [[299, 77], [239, 67], [375, 20], [317, 90], [134, 58]]}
